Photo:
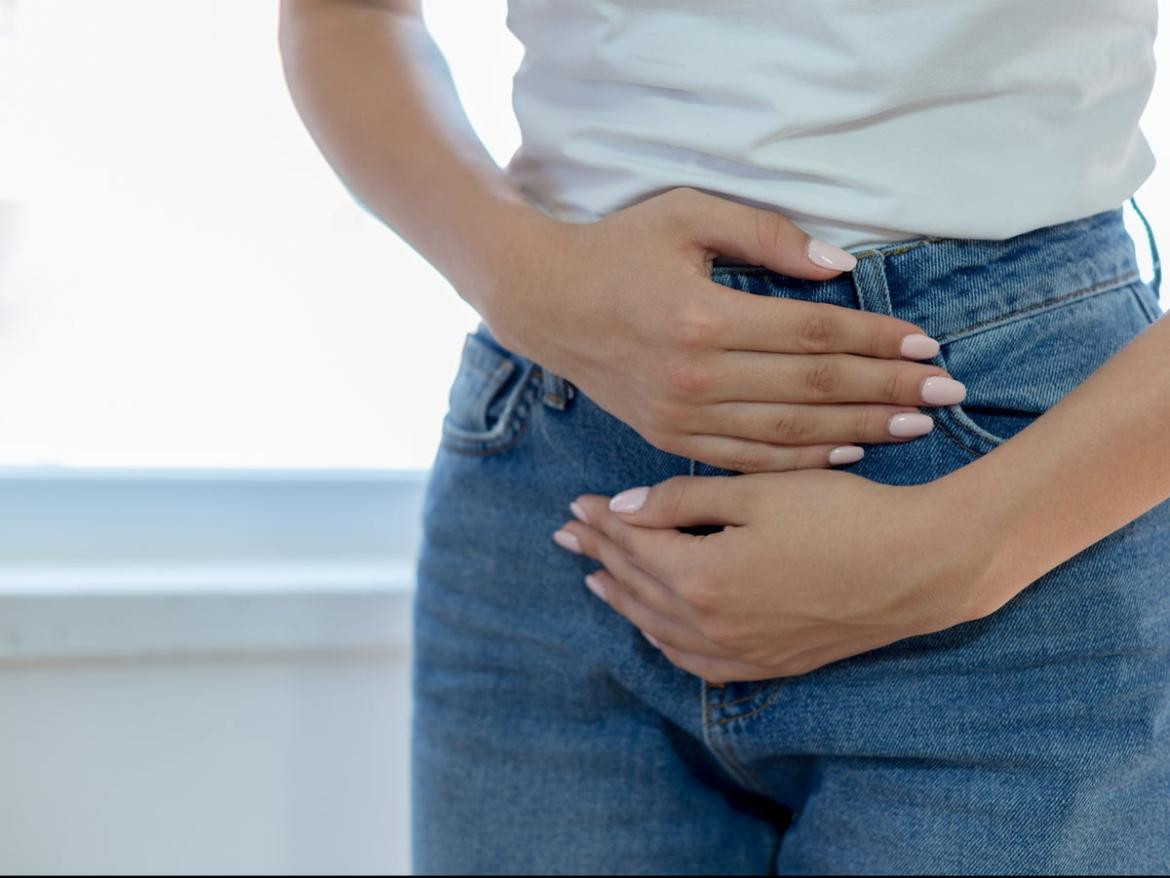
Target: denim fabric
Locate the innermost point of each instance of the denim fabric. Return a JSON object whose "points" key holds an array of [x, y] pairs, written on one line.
{"points": [[549, 736]]}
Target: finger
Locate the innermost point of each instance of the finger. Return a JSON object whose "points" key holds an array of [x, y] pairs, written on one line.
{"points": [[710, 668], [664, 554], [749, 456], [764, 323], [648, 591], [760, 237], [830, 378], [681, 501], [803, 424], [612, 589]]}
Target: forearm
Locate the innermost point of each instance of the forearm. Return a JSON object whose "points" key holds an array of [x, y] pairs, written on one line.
{"points": [[1091, 464], [375, 93]]}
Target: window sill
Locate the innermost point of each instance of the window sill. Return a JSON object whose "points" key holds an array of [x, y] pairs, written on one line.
{"points": [[119, 564]]}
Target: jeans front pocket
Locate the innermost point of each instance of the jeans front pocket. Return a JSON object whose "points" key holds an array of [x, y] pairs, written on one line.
{"points": [[1017, 367], [490, 399]]}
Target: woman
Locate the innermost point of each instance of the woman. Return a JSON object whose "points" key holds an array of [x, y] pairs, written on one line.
{"points": [[738, 239]]}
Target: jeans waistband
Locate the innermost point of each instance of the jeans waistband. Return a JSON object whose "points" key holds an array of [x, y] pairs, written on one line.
{"points": [[951, 286]]}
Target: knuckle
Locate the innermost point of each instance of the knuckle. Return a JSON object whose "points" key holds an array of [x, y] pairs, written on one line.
{"points": [[662, 416], [699, 596], [877, 335], [789, 427], [619, 534], [696, 327], [686, 380], [628, 543], [893, 385], [670, 496], [661, 439], [677, 204], [871, 423], [823, 379], [816, 332], [770, 230]]}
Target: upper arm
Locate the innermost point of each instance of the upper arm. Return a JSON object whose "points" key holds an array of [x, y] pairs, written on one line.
{"points": [[295, 15], [398, 7]]}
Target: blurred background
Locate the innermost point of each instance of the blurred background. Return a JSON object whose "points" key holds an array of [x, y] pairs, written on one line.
{"points": [[221, 384]]}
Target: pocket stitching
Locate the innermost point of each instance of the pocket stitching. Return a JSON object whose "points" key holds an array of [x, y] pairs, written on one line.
{"points": [[506, 432], [956, 423], [1039, 308]]}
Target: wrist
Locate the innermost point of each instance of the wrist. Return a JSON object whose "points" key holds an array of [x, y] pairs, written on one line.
{"points": [[985, 509], [970, 525], [516, 252]]}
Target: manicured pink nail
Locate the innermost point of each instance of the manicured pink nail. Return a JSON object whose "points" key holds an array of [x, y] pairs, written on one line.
{"points": [[630, 500], [595, 586], [846, 454], [828, 256], [652, 639], [566, 540], [919, 346], [578, 511], [906, 424], [942, 391]]}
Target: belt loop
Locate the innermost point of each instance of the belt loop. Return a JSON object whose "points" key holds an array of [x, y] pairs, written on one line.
{"points": [[557, 391], [869, 279], [1157, 282]]}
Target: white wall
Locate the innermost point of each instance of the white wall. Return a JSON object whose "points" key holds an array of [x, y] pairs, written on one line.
{"points": [[217, 764], [205, 671]]}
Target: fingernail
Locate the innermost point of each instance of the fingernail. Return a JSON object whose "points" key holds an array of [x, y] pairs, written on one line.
{"points": [[919, 346], [652, 639], [942, 391], [907, 424], [629, 501], [828, 256], [578, 511], [595, 586], [846, 454], [566, 540]]}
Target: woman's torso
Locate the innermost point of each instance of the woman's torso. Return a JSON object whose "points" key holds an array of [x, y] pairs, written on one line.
{"points": [[865, 121]]}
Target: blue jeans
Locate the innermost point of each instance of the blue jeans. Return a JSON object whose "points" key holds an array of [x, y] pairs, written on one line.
{"points": [[549, 736]]}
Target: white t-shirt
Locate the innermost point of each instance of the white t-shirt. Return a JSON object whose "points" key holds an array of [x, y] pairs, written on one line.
{"points": [[864, 121]]}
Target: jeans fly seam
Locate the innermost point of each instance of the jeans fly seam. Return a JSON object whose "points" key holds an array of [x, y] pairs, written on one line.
{"points": [[734, 701], [722, 755], [755, 710], [949, 430]]}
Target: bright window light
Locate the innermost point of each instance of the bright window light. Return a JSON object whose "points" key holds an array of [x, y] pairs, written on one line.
{"points": [[183, 280]]}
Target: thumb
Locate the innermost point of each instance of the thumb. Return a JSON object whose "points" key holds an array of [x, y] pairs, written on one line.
{"points": [[685, 501], [763, 237]]}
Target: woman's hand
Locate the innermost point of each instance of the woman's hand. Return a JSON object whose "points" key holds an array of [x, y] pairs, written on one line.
{"points": [[810, 567], [625, 309]]}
